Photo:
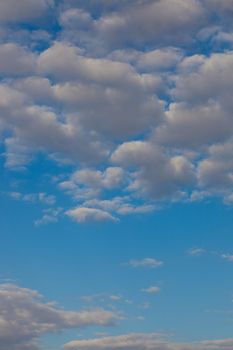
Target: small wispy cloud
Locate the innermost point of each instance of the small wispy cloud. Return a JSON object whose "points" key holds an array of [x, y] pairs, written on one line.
{"points": [[151, 290], [146, 262], [40, 197], [228, 257], [196, 251], [115, 297], [49, 216]]}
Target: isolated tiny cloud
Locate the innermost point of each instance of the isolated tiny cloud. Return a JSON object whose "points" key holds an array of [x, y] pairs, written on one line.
{"points": [[13, 11], [26, 316], [152, 290], [146, 262], [196, 251], [228, 257], [143, 341]]}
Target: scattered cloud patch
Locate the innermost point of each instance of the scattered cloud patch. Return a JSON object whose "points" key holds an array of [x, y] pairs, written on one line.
{"points": [[49, 216], [34, 197]]}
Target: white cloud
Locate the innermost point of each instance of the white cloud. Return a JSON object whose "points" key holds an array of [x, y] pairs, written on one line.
{"points": [[225, 6], [38, 89], [157, 175], [25, 316], [146, 262], [111, 205], [215, 172], [127, 209], [201, 114], [75, 17], [133, 91], [143, 341], [118, 205], [105, 96], [228, 257], [23, 11], [196, 251], [165, 58], [16, 61], [151, 290], [38, 128], [34, 197], [83, 214], [111, 178], [50, 215], [88, 186], [151, 22], [115, 297]]}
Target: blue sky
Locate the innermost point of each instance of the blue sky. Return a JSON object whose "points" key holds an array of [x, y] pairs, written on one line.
{"points": [[116, 174]]}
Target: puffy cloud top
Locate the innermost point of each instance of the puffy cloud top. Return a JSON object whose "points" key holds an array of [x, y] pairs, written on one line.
{"points": [[122, 91]]}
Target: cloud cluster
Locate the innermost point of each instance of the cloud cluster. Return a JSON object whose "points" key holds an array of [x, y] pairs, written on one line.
{"points": [[25, 316], [156, 175], [141, 113], [135, 23], [34, 197]]}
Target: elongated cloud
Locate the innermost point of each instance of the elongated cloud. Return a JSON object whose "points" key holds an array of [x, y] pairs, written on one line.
{"points": [[89, 214], [146, 262], [150, 341], [25, 316]]}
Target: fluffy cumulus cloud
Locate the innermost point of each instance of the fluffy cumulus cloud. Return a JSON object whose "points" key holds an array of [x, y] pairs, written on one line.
{"points": [[15, 60], [111, 178], [102, 95], [25, 317], [123, 93], [154, 173], [148, 341], [149, 20], [137, 23], [201, 113]]}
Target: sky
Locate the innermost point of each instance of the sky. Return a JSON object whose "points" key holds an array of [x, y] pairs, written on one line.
{"points": [[116, 175]]}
